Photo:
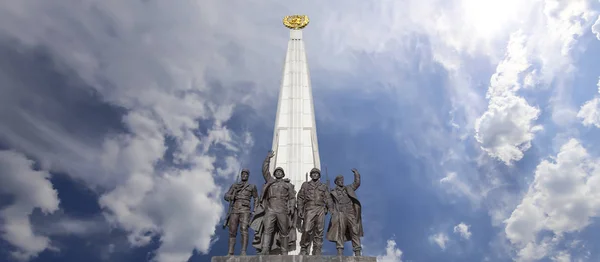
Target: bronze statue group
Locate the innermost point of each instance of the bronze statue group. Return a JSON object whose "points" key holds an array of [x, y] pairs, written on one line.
{"points": [[278, 213]]}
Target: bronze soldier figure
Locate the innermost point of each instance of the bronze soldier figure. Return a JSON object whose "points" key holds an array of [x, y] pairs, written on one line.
{"points": [[272, 224], [239, 196], [314, 201], [346, 221]]}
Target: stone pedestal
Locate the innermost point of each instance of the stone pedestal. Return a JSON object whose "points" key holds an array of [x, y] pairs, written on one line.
{"points": [[298, 258]]}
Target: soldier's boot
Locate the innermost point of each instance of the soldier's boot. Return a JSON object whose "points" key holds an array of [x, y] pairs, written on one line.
{"points": [[357, 253], [231, 246], [266, 247], [316, 251], [303, 251], [340, 252], [244, 245], [284, 245], [264, 251]]}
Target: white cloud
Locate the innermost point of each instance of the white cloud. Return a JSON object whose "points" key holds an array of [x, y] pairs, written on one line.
{"points": [[506, 129], [392, 253], [30, 189], [463, 230], [562, 198], [152, 61], [540, 58], [439, 239], [535, 251], [596, 28], [458, 186], [562, 256], [590, 111], [566, 22]]}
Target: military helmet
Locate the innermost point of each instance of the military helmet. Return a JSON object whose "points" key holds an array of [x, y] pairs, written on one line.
{"points": [[315, 170], [278, 168]]}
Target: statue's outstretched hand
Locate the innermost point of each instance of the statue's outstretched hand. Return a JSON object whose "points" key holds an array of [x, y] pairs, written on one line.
{"points": [[271, 154], [354, 170]]}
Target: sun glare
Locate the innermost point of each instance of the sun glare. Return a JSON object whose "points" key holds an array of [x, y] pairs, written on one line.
{"points": [[489, 17]]}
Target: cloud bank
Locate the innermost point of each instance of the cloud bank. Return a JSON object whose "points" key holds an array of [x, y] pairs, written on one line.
{"points": [[30, 189], [562, 199], [139, 62]]}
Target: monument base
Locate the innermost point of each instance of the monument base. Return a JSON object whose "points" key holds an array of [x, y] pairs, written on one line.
{"points": [[293, 258]]}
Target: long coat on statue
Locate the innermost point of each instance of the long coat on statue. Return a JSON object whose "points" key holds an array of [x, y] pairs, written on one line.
{"points": [[333, 230], [257, 225]]}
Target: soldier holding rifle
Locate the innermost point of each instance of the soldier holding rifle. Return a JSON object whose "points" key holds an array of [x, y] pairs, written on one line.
{"points": [[314, 201], [239, 196]]}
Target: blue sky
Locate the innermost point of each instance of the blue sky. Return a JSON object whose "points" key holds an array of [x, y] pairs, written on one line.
{"points": [[473, 122]]}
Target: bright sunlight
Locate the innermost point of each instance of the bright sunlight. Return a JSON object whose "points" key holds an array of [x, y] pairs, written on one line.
{"points": [[489, 17]]}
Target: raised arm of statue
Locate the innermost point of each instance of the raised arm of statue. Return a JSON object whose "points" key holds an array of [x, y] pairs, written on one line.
{"points": [[265, 167], [356, 182]]}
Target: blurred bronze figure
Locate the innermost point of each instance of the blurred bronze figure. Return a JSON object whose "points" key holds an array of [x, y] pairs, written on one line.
{"points": [[239, 196], [314, 201], [272, 224], [346, 221]]}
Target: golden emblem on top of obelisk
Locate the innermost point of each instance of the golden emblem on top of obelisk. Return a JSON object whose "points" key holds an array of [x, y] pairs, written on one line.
{"points": [[295, 21]]}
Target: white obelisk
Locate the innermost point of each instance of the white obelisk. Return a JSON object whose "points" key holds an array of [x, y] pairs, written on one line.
{"points": [[295, 135]]}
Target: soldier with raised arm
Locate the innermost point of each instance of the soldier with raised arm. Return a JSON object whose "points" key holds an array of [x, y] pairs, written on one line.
{"points": [[314, 201], [239, 196], [273, 225], [346, 219]]}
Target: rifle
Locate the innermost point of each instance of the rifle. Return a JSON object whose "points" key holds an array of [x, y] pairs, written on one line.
{"points": [[231, 201], [300, 221], [328, 185], [327, 179]]}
